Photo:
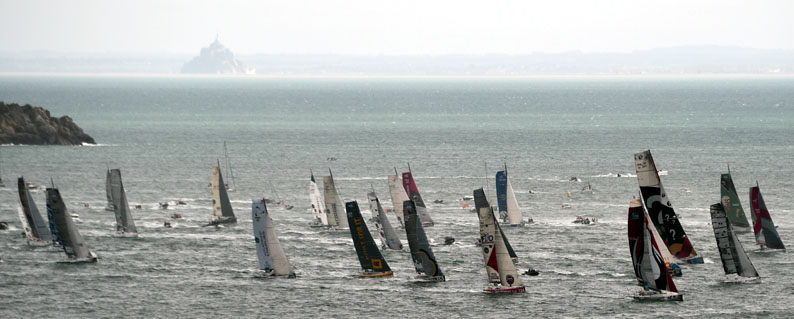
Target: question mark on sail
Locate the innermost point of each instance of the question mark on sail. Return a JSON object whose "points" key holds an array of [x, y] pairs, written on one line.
{"points": [[673, 231]]}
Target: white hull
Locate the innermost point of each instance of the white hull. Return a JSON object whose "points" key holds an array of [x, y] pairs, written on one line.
{"points": [[644, 295], [92, 258]]}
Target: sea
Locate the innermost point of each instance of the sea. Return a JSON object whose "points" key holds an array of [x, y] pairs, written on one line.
{"points": [[554, 134]]}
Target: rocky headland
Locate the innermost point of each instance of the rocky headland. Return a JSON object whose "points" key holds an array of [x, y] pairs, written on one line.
{"points": [[33, 125]]}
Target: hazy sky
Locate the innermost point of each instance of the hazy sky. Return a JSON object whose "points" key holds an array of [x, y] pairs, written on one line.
{"points": [[372, 27]]}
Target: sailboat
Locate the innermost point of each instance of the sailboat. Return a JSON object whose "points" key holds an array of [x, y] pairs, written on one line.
{"points": [[413, 194], [509, 211], [649, 267], [734, 258], [765, 231], [67, 234], [272, 259], [334, 206], [731, 203], [422, 255], [502, 274], [318, 206], [222, 208], [229, 169], [108, 192], [660, 209], [372, 262], [36, 231], [125, 225], [388, 237], [398, 196]]}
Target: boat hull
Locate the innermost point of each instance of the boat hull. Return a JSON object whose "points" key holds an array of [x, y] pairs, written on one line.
{"points": [[426, 279], [219, 221], [92, 258], [658, 296], [510, 290], [375, 274]]}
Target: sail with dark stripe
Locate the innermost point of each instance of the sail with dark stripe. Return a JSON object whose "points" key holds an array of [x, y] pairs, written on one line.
{"points": [[765, 231], [660, 209], [422, 255], [734, 258], [221, 206], [124, 222], [388, 236], [413, 194], [372, 262], [38, 226], [649, 266]]}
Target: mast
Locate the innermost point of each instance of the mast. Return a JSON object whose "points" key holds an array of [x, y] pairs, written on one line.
{"points": [[229, 165]]}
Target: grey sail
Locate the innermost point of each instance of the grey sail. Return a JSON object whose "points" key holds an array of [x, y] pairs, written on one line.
{"points": [[124, 221], [387, 234], [422, 255], [108, 192], [734, 258], [73, 244], [222, 208], [332, 211], [39, 227], [372, 262]]}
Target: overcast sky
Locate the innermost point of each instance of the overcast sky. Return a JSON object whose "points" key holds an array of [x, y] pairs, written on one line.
{"points": [[372, 27]]}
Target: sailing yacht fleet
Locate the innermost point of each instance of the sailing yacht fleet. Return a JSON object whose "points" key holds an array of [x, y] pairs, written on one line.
{"points": [[657, 241]]}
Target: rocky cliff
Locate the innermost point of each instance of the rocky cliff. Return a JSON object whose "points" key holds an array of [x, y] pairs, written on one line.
{"points": [[34, 126]]}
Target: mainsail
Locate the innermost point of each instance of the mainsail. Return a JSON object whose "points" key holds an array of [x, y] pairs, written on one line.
{"points": [[318, 207], [334, 206], [124, 221], [372, 262], [660, 209], [649, 267], [108, 192], [388, 236], [222, 208], [271, 256], [413, 193], [30, 213], [501, 271], [509, 211], [734, 258], [730, 200], [398, 196], [765, 230], [73, 244], [421, 253]]}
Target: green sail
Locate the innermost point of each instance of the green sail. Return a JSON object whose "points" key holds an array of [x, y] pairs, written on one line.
{"points": [[730, 200]]}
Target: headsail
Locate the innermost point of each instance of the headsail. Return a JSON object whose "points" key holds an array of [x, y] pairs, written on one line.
{"points": [[334, 205], [422, 255], [661, 211], [222, 207], [730, 200], [499, 267], [271, 255], [388, 236], [398, 196], [73, 244], [413, 194], [318, 206], [734, 258], [765, 230], [372, 262], [38, 227], [509, 211], [108, 192], [124, 221]]}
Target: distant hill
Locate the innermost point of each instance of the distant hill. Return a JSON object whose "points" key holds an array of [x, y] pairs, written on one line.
{"points": [[217, 59], [31, 125]]}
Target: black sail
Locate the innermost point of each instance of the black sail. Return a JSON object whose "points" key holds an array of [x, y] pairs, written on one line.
{"points": [[368, 253], [421, 253]]}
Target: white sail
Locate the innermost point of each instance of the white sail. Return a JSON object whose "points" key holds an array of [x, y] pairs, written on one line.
{"points": [[666, 255], [334, 204], [388, 236], [318, 207], [271, 256], [28, 231], [124, 222], [513, 210], [398, 197], [498, 263]]}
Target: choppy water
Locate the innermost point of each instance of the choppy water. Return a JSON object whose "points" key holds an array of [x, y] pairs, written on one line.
{"points": [[165, 134]]}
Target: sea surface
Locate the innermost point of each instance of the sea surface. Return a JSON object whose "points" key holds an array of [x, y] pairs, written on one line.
{"points": [[166, 133]]}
